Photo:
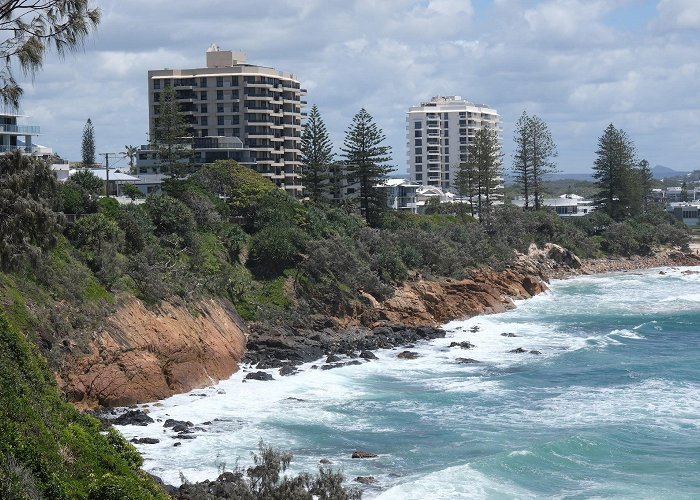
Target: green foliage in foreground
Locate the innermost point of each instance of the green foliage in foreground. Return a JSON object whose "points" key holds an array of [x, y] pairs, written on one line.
{"points": [[265, 480], [47, 449]]}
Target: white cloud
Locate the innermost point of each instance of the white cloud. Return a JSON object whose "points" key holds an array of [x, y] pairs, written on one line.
{"points": [[678, 14]]}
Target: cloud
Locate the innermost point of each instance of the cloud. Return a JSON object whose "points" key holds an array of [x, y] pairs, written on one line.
{"points": [[565, 60]]}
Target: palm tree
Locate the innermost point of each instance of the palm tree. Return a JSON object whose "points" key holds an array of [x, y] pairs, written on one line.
{"points": [[130, 151]]}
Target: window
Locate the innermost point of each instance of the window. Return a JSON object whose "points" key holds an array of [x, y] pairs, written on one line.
{"points": [[219, 108], [419, 142], [447, 142], [418, 133], [220, 131], [203, 82], [234, 81], [219, 81], [234, 120], [419, 177], [419, 159], [220, 120], [203, 96], [419, 151], [418, 168], [203, 108], [234, 94], [219, 95], [204, 121], [447, 151], [447, 176], [156, 84], [417, 124]]}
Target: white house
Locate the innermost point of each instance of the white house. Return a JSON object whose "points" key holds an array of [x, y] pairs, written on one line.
{"points": [[566, 205], [400, 194]]}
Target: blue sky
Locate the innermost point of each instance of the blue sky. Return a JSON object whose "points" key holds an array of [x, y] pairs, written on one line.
{"points": [[578, 64]]}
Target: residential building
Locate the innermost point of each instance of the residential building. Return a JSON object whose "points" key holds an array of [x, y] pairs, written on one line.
{"points": [[674, 194], [16, 137], [400, 194], [688, 213], [438, 134], [566, 205], [230, 98]]}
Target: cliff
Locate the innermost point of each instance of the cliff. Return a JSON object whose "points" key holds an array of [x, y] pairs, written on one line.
{"points": [[144, 354]]}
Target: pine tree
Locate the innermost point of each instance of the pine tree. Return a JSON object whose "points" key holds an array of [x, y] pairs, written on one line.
{"points": [[466, 182], [171, 139], [533, 157], [484, 159], [88, 144], [616, 157], [366, 163], [646, 181], [316, 156]]}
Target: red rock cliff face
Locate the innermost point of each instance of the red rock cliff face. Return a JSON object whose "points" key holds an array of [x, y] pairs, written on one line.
{"points": [[144, 354], [436, 302]]}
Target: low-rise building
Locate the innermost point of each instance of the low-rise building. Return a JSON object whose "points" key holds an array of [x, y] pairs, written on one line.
{"points": [[400, 194], [566, 205], [688, 213]]}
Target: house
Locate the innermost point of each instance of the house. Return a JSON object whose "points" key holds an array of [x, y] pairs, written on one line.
{"points": [[566, 205], [400, 194]]}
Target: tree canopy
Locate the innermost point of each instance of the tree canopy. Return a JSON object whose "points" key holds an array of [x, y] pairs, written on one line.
{"points": [[87, 147], [31, 28], [316, 156], [366, 161]]}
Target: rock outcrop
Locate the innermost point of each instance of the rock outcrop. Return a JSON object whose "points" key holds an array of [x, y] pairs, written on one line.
{"points": [[143, 354]]}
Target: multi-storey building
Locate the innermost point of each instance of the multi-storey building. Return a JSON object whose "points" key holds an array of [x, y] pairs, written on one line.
{"points": [[438, 134], [230, 98], [14, 136]]}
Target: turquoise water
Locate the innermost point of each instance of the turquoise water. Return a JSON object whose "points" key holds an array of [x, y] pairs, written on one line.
{"points": [[610, 409]]}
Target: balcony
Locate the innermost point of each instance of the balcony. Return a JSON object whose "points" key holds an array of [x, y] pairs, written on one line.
{"points": [[20, 129], [9, 149]]}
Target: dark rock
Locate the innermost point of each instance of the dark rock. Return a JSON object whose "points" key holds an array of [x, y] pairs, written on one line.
{"points": [[519, 350], [199, 395], [184, 436], [331, 366], [182, 428], [363, 454], [368, 355], [463, 345], [133, 417], [474, 329], [177, 444], [168, 488], [508, 334], [258, 376], [365, 480], [325, 461], [332, 358], [408, 355], [206, 423], [535, 352], [287, 370], [145, 440], [353, 363], [467, 361], [179, 423]]}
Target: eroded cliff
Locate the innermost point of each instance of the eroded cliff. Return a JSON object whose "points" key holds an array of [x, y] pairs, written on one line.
{"points": [[148, 353]]}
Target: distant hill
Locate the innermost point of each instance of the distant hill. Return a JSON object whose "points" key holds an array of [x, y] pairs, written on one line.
{"points": [[661, 172]]}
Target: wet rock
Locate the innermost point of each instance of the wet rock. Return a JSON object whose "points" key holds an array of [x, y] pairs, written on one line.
{"points": [[259, 376], [467, 361], [463, 345], [133, 417], [177, 444], [474, 329], [368, 355], [535, 352], [208, 422], [287, 370], [184, 436], [508, 334], [519, 350], [177, 424], [365, 480], [325, 461], [408, 355], [145, 441], [332, 358], [363, 454]]}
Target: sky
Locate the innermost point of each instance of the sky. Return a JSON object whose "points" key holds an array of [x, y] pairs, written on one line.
{"points": [[577, 64]]}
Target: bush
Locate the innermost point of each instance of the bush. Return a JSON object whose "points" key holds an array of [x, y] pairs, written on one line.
{"points": [[274, 249], [172, 221]]}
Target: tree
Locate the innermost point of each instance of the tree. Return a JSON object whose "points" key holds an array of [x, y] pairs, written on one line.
{"points": [[465, 183], [365, 162], [316, 156], [88, 145], [532, 160], [32, 27], [28, 223], [131, 152], [484, 160], [684, 191], [132, 191], [616, 157], [646, 180], [171, 139]]}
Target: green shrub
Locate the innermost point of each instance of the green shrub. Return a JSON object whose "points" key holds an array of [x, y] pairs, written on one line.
{"points": [[274, 249]]}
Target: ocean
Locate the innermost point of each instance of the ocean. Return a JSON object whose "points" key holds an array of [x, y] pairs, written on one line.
{"points": [[609, 409]]}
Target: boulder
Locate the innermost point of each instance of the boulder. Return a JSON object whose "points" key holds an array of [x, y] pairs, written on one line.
{"points": [[365, 480], [133, 417], [368, 355], [258, 376], [408, 355], [145, 441], [463, 345], [508, 334], [325, 461], [177, 423], [287, 370], [467, 361], [332, 358], [535, 352], [519, 350], [363, 454]]}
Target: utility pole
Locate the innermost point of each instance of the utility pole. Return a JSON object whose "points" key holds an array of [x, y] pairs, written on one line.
{"points": [[106, 155]]}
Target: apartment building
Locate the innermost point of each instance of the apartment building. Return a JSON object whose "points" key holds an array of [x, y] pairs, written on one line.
{"points": [[438, 134], [16, 137], [230, 98]]}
